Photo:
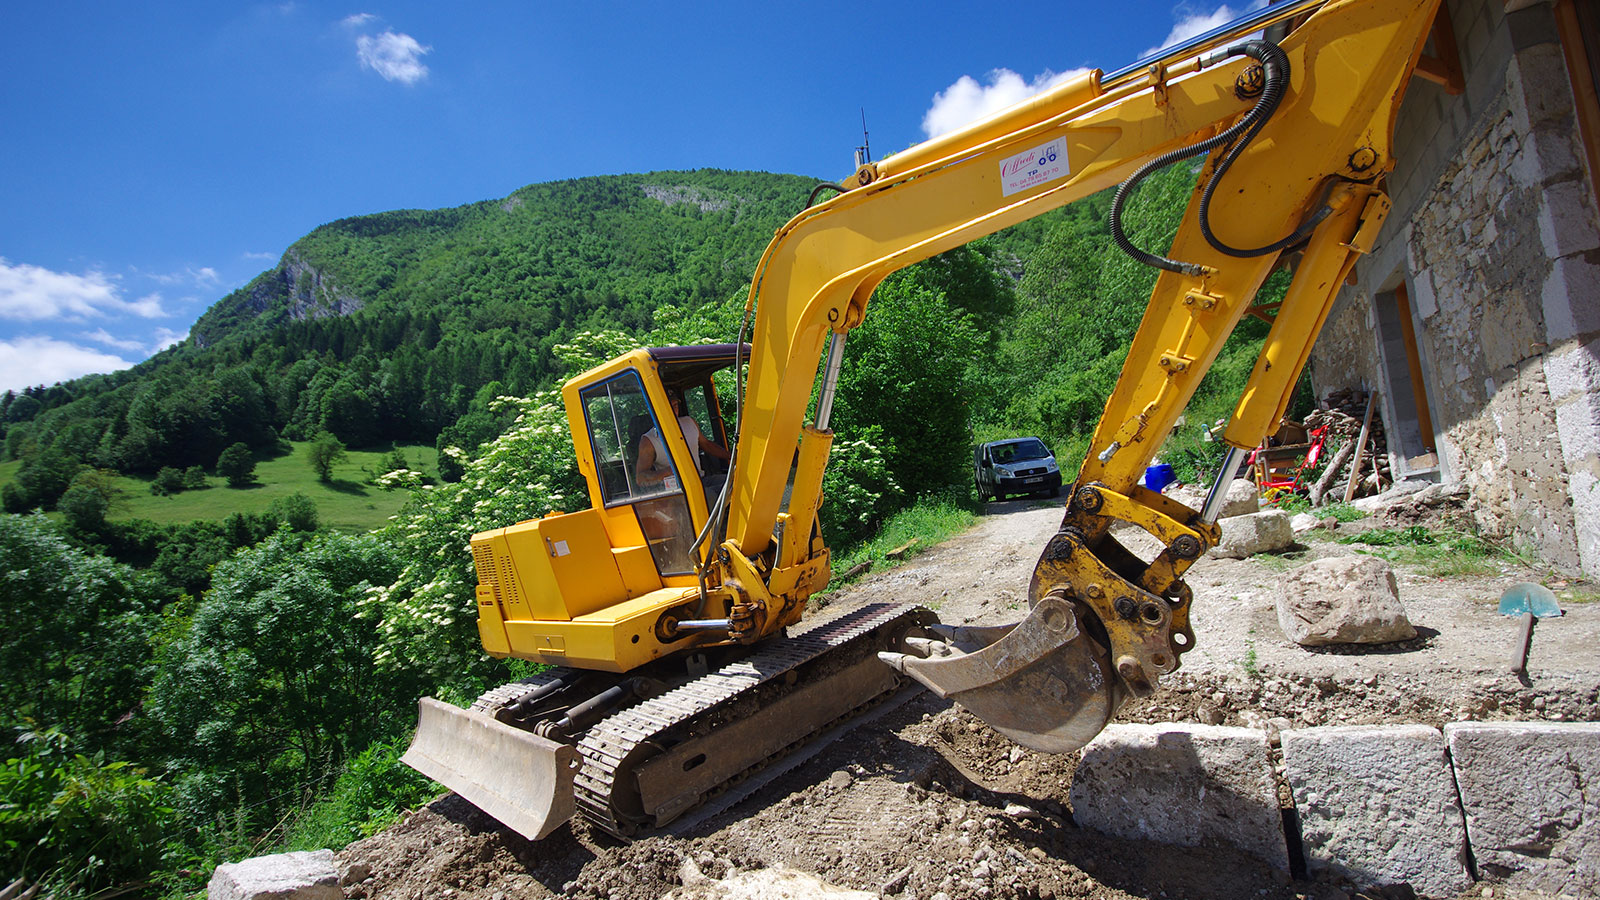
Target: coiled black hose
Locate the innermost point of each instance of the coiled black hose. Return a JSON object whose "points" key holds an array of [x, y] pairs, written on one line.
{"points": [[1275, 71]]}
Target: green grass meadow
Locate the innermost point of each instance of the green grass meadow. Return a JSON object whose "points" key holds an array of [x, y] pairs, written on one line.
{"points": [[348, 503]]}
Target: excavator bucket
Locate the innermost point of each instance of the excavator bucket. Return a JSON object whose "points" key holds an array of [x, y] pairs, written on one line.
{"points": [[1044, 682], [516, 776]]}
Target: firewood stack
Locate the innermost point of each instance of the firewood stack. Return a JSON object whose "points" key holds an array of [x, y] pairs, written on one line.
{"points": [[1343, 414]]}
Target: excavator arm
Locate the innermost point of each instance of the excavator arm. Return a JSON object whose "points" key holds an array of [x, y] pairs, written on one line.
{"points": [[1299, 137]]}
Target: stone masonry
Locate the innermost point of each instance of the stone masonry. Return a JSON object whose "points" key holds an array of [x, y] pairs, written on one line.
{"points": [[1495, 238], [1376, 807]]}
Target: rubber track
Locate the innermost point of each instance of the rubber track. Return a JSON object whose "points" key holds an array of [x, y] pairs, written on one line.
{"points": [[607, 746], [490, 701]]}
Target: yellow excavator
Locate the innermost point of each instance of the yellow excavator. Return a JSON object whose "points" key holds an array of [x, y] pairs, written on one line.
{"points": [[671, 609]]}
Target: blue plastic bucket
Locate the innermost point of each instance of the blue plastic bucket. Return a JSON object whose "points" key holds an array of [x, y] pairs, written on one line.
{"points": [[1158, 476]]}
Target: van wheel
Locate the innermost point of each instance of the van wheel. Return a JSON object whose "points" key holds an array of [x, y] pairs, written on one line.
{"points": [[1055, 492]]}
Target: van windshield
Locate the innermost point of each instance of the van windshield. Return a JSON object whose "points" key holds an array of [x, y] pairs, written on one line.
{"points": [[1016, 451]]}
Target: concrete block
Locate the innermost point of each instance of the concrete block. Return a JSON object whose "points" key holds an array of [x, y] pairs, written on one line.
{"points": [[1566, 220], [1377, 807], [1568, 299], [1573, 372], [1262, 532], [1342, 600], [302, 875], [1182, 784], [1549, 153], [1531, 794]]}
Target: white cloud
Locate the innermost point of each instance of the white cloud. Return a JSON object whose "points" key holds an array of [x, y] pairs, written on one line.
{"points": [[32, 293], [968, 101], [270, 257], [102, 336], [396, 57], [147, 307], [204, 276], [357, 20], [28, 361], [1194, 24], [166, 337]]}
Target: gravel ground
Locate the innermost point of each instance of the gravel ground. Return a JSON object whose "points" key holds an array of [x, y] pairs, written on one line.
{"points": [[926, 801]]}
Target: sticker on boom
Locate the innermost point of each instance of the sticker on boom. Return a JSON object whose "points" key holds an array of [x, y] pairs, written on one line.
{"points": [[1032, 168]]}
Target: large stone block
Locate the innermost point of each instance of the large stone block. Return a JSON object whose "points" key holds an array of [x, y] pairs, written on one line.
{"points": [[302, 875], [1573, 371], [1566, 220], [1568, 299], [1182, 784], [1261, 532], [1342, 600], [1531, 794], [1241, 499], [1377, 807]]}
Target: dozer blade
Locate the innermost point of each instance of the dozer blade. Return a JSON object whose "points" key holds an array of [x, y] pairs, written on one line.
{"points": [[516, 776], [1044, 683]]}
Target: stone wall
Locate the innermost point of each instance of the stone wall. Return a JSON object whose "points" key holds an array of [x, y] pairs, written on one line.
{"points": [[1494, 236]]}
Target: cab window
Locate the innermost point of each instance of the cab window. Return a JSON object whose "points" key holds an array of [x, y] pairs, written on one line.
{"points": [[635, 468]]}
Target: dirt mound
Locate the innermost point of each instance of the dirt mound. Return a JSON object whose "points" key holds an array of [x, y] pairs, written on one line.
{"points": [[927, 801]]}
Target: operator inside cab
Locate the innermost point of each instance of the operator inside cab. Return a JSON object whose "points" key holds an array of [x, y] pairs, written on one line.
{"points": [[654, 466]]}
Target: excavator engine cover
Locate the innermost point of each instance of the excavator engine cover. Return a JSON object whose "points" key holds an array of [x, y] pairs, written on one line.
{"points": [[1045, 682]]}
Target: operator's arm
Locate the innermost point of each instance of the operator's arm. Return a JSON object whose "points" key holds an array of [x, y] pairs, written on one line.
{"points": [[713, 448]]}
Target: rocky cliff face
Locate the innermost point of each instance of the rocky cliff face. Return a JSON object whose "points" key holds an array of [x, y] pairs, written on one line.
{"points": [[292, 292]]}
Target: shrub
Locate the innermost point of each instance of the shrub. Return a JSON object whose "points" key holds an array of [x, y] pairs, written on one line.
{"points": [[297, 511], [168, 481], [325, 451], [78, 823], [238, 465]]}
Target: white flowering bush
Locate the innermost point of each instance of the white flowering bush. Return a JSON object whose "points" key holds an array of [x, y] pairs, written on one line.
{"points": [[427, 618], [400, 478], [858, 492]]}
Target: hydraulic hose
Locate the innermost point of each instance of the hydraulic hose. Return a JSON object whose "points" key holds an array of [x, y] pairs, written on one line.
{"points": [[717, 516], [1275, 72]]}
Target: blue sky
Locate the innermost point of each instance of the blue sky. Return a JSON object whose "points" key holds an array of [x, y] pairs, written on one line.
{"points": [[157, 156]]}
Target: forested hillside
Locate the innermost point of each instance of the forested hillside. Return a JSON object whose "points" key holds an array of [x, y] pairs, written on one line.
{"points": [[393, 327], [183, 693]]}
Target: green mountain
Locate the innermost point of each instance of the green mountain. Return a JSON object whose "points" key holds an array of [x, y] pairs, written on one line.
{"points": [[388, 327]]}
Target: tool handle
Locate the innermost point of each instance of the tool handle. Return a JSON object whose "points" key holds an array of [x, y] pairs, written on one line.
{"points": [[1519, 652]]}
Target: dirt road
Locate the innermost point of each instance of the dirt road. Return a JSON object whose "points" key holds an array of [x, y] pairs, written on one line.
{"points": [[926, 800]]}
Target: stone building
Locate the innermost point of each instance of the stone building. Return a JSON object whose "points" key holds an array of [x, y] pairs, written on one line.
{"points": [[1477, 315]]}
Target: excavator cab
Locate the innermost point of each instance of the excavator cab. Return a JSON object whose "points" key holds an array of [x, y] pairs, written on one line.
{"points": [[636, 412], [603, 588]]}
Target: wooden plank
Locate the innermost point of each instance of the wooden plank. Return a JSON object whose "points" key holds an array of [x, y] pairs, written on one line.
{"points": [[1361, 448]]}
